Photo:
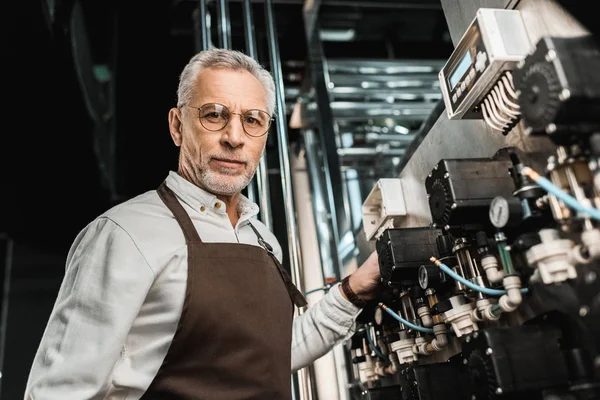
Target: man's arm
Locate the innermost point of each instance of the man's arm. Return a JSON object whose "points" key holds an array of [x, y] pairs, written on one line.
{"points": [[105, 284], [332, 319]]}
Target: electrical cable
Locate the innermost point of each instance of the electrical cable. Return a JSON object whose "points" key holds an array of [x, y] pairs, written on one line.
{"points": [[484, 290], [405, 322], [373, 347], [569, 200], [325, 288]]}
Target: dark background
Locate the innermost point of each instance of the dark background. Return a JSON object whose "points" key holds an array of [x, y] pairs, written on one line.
{"points": [[75, 142]]}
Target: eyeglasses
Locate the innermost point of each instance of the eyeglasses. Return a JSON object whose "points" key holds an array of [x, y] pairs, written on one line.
{"points": [[214, 117]]}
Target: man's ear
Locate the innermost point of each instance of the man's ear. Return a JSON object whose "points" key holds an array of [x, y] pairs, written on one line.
{"points": [[175, 125]]}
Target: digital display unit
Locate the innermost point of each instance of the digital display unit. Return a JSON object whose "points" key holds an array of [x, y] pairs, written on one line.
{"points": [[460, 70]]}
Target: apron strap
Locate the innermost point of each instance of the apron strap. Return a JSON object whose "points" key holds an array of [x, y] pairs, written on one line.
{"points": [[182, 217], [295, 294]]}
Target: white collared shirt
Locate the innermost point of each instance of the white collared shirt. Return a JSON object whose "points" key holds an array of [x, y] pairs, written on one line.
{"points": [[123, 291]]}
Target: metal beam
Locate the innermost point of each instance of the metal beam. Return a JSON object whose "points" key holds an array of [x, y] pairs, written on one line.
{"points": [[202, 36], [258, 189], [328, 136], [224, 25], [305, 384]]}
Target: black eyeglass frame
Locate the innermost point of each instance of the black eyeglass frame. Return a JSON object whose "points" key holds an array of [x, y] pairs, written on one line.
{"points": [[270, 120]]}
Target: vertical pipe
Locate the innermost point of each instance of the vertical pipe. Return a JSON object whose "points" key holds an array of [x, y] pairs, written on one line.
{"points": [[328, 135], [322, 223], [261, 179], [304, 382], [223, 24], [203, 33]]}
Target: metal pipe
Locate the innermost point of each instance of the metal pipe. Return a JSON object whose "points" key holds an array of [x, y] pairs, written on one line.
{"points": [[258, 189], [224, 26], [329, 138], [322, 219], [386, 137], [405, 5], [369, 152], [303, 375], [202, 30]]}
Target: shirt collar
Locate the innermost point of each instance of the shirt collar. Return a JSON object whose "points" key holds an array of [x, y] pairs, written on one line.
{"points": [[201, 200]]}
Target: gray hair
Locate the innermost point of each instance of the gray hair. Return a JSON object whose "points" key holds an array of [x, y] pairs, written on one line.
{"points": [[228, 59]]}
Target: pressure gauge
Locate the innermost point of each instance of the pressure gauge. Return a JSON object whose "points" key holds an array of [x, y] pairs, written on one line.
{"points": [[495, 41], [499, 212], [505, 212]]}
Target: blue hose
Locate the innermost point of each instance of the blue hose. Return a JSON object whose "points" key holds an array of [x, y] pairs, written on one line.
{"points": [[561, 194], [373, 347], [405, 322], [484, 290]]}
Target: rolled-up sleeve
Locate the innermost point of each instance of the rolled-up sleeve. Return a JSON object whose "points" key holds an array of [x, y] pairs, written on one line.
{"points": [[322, 326], [106, 281]]}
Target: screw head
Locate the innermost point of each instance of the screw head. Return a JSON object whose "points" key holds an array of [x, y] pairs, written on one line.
{"points": [[564, 94], [590, 277], [550, 55]]}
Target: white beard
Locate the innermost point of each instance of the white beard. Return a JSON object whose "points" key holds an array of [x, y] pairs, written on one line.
{"points": [[226, 181]]}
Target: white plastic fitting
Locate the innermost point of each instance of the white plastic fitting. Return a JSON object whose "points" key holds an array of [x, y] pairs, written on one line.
{"points": [[403, 349], [576, 258], [366, 370], [391, 369], [425, 315], [513, 297], [591, 240], [552, 258], [441, 337], [461, 319], [483, 311], [490, 266], [420, 346]]}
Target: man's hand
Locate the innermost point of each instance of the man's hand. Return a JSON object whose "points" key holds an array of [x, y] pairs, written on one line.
{"points": [[366, 280]]}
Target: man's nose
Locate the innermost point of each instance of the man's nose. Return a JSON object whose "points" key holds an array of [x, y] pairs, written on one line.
{"points": [[234, 134]]}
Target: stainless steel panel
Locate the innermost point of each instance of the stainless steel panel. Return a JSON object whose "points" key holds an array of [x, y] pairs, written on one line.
{"points": [[460, 13]]}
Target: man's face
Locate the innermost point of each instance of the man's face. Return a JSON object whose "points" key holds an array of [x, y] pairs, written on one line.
{"points": [[223, 161]]}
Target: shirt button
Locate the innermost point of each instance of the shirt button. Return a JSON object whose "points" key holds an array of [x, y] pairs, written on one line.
{"points": [[217, 205], [202, 208]]}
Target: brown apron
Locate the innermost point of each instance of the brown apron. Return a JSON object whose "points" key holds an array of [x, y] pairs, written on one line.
{"points": [[233, 340]]}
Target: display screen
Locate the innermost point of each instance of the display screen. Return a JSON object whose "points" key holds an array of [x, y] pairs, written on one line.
{"points": [[460, 70]]}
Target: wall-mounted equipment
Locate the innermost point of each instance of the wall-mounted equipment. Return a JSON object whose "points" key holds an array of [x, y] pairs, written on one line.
{"points": [[476, 81], [559, 89], [382, 206], [460, 190]]}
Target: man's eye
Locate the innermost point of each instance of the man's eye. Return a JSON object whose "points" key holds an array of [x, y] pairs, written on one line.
{"points": [[252, 121], [212, 115]]}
